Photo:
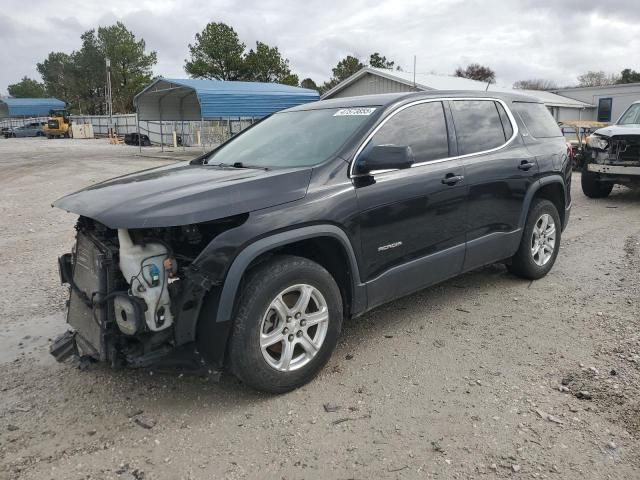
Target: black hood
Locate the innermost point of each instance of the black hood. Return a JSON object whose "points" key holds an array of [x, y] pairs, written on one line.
{"points": [[181, 194]]}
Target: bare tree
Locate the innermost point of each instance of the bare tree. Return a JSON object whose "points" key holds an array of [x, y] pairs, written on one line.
{"points": [[475, 71], [596, 79], [535, 84]]}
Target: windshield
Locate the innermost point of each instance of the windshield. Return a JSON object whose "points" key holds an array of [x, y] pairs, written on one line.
{"points": [[631, 116], [292, 139]]}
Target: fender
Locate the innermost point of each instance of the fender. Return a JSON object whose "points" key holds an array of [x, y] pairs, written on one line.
{"points": [[537, 185], [252, 251]]}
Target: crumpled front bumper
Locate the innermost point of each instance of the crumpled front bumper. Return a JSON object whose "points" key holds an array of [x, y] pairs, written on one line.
{"points": [[613, 169]]}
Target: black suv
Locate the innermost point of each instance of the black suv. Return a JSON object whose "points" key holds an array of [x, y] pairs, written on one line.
{"points": [[254, 254]]}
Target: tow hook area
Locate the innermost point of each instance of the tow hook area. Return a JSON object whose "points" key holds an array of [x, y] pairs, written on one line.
{"points": [[64, 346]]}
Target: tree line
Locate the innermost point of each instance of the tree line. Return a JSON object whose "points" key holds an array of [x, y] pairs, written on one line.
{"points": [[592, 78], [79, 77]]}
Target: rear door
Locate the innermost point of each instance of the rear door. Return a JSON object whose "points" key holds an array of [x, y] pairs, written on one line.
{"points": [[499, 170], [412, 220]]}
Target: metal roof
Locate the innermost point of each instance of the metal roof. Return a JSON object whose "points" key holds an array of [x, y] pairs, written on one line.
{"points": [[424, 81], [387, 99], [28, 107], [178, 99]]}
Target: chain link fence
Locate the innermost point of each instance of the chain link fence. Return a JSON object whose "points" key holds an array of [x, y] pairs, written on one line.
{"points": [[208, 133], [190, 133]]}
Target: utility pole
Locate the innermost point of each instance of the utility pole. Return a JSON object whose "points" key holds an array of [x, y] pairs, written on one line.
{"points": [[109, 97], [414, 71]]}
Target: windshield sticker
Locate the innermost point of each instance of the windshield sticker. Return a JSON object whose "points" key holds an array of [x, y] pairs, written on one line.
{"points": [[346, 112]]}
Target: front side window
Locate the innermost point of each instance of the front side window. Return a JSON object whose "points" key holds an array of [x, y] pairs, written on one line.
{"points": [[293, 139], [422, 127], [478, 126], [631, 116]]}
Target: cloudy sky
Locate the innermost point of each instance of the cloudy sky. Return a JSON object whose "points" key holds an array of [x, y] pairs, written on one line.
{"points": [[519, 39]]}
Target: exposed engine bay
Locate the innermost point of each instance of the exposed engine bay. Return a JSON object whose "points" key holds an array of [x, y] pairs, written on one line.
{"points": [[615, 150], [615, 158], [135, 294]]}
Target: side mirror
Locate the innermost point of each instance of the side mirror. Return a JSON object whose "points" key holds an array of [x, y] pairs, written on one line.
{"points": [[384, 157]]}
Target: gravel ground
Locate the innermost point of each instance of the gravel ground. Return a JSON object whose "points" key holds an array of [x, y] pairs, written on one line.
{"points": [[484, 376]]}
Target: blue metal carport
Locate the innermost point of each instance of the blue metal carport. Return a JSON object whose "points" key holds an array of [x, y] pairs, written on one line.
{"points": [[177, 99], [28, 107]]}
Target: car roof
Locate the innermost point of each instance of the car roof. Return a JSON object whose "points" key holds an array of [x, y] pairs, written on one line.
{"points": [[386, 99]]}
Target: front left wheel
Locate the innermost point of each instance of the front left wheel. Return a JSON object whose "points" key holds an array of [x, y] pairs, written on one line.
{"points": [[288, 320]]}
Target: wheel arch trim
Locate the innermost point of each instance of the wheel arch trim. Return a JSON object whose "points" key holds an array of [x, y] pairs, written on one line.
{"points": [[535, 187], [242, 261]]}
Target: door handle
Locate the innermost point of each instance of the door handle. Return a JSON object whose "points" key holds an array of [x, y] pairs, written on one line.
{"points": [[452, 179], [526, 165]]}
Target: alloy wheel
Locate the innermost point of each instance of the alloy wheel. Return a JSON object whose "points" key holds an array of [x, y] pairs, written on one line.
{"points": [[294, 327], [543, 240]]}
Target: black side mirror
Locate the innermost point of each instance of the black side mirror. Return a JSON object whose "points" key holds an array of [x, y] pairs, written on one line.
{"points": [[384, 157]]}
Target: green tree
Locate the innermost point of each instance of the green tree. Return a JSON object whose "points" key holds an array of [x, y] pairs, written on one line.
{"points": [[131, 66], [27, 88], [291, 79], [344, 69], [88, 76], [379, 61], [57, 75], [308, 83], [629, 76], [475, 71], [216, 54], [79, 78], [265, 64]]}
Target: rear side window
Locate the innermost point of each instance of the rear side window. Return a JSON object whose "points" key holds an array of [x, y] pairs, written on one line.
{"points": [[506, 123], [422, 127], [538, 119], [478, 125]]}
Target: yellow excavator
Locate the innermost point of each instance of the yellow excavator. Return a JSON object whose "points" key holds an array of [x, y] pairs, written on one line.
{"points": [[58, 124]]}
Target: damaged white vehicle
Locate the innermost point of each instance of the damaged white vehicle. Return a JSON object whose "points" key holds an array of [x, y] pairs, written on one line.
{"points": [[613, 155]]}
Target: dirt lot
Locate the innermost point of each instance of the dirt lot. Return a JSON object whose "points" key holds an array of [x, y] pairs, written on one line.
{"points": [[477, 378]]}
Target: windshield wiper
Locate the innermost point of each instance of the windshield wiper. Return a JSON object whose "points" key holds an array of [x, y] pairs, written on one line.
{"points": [[239, 165]]}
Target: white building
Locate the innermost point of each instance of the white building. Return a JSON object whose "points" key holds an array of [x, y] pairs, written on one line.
{"points": [[609, 101], [371, 80]]}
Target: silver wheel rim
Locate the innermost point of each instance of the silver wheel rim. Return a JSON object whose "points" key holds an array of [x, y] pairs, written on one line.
{"points": [[294, 327], [543, 240]]}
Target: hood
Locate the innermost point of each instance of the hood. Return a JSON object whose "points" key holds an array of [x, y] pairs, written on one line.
{"points": [[181, 194], [631, 129]]}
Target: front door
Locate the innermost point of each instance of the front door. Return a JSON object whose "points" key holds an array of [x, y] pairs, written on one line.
{"points": [[412, 220]]}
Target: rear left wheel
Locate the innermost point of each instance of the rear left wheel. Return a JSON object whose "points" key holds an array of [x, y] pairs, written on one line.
{"points": [[540, 241], [288, 320]]}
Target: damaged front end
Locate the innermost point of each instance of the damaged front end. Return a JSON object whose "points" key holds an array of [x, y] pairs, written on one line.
{"points": [[135, 294], [615, 158]]}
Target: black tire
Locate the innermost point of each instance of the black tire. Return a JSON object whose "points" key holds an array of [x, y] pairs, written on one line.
{"points": [[592, 187], [262, 285], [523, 263]]}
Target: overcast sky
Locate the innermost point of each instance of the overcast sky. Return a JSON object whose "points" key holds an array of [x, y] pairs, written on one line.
{"points": [[519, 39]]}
